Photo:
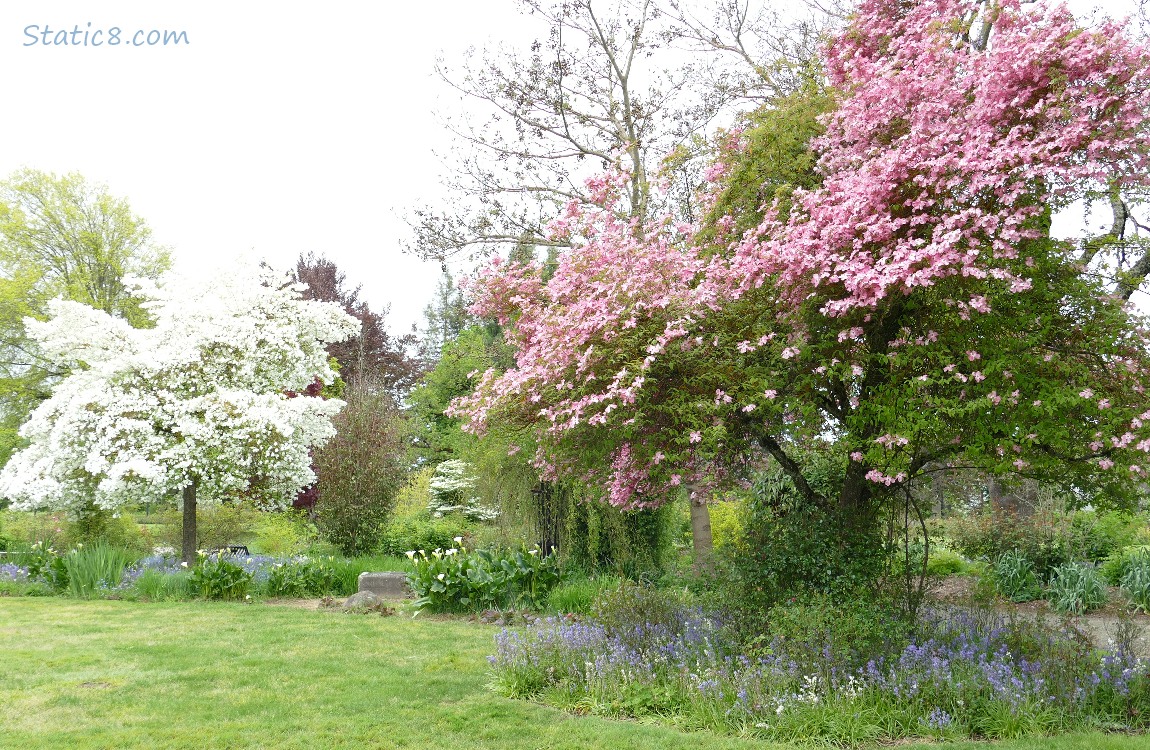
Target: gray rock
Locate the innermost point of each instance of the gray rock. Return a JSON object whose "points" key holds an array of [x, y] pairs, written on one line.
{"points": [[386, 585], [363, 600]]}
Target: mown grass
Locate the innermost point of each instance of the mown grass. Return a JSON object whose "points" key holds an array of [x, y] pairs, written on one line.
{"points": [[109, 674]]}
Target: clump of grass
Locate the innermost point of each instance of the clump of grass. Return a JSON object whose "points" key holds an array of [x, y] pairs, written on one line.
{"points": [[95, 568], [1076, 588], [576, 596], [1136, 581], [1015, 577]]}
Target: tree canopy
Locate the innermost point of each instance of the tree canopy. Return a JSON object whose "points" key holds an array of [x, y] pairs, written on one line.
{"points": [[201, 400], [372, 357], [61, 236], [903, 299]]}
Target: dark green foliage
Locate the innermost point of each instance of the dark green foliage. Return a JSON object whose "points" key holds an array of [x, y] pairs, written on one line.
{"points": [[599, 538], [1095, 535], [1047, 540], [361, 471], [793, 549], [438, 436], [1040, 540]]}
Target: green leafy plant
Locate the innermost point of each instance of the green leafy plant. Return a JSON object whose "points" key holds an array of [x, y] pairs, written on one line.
{"points": [[630, 608], [421, 532], [1015, 578], [1076, 588], [217, 577], [361, 470], [1042, 539], [299, 578], [1135, 581], [45, 565], [458, 579]]}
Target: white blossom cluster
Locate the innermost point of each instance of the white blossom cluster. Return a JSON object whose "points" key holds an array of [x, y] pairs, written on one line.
{"points": [[451, 490], [200, 397]]}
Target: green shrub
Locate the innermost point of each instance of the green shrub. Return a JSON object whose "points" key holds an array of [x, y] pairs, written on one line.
{"points": [[1095, 535], [598, 538], [1135, 580], [460, 580], [577, 596], [29, 527], [421, 533], [632, 608], [945, 562], [1076, 588], [842, 635], [1041, 539], [361, 470], [118, 530], [283, 534], [795, 549], [217, 577], [1014, 577]]}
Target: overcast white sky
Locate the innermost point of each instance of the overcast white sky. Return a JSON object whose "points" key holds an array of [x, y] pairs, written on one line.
{"points": [[279, 127]]}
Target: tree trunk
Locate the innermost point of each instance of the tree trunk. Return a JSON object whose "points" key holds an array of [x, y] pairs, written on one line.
{"points": [[188, 550], [938, 504], [701, 532]]}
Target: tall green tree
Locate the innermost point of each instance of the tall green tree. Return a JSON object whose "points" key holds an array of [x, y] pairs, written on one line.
{"points": [[61, 236]]}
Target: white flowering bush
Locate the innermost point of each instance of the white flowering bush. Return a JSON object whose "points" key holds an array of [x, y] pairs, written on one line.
{"points": [[206, 398], [452, 489]]}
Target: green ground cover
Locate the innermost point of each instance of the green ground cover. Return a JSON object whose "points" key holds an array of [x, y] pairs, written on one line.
{"points": [[113, 674]]}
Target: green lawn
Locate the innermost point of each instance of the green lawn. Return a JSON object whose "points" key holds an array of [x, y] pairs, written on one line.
{"points": [[105, 674]]}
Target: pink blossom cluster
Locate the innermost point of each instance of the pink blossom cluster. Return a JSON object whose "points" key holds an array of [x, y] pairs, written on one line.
{"points": [[930, 131]]}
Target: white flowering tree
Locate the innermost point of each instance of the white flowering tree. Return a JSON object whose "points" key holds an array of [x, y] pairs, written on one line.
{"points": [[202, 404], [452, 490]]}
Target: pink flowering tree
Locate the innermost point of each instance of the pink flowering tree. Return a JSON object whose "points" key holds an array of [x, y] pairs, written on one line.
{"points": [[908, 305]]}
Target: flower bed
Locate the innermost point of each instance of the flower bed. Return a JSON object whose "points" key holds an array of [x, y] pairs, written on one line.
{"points": [[964, 673]]}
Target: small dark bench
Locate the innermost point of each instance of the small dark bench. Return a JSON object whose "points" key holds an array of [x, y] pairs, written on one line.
{"points": [[236, 550]]}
